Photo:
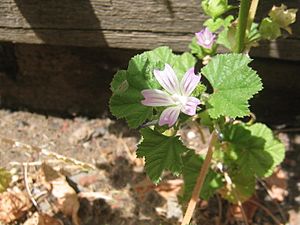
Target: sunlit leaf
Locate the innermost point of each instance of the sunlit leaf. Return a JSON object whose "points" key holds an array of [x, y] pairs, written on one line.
{"points": [[252, 150], [234, 83], [161, 153], [214, 24], [283, 16], [269, 30], [215, 8], [128, 84]]}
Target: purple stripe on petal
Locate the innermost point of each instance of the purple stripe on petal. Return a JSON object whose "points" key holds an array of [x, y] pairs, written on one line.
{"points": [[167, 79], [169, 116], [205, 38], [191, 105], [154, 97], [189, 82]]}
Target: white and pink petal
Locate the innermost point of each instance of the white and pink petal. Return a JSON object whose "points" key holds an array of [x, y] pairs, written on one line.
{"points": [[155, 97], [169, 116], [168, 79], [191, 106], [189, 82]]}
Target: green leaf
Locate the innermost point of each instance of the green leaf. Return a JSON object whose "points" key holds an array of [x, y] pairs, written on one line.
{"points": [[214, 24], [128, 84], [269, 30], [161, 153], [253, 36], [191, 166], [5, 179], [215, 8], [283, 16], [227, 37], [199, 90], [196, 49], [242, 190], [253, 150], [199, 51], [234, 83], [183, 63], [119, 84], [128, 106]]}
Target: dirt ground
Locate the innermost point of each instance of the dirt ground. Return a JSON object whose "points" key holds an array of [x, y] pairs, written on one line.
{"points": [[96, 158]]}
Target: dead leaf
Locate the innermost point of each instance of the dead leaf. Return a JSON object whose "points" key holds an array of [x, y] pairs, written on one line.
{"points": [[248, 207], [169, 188], [143, 187], [45, 219], [87, 180], [294, 217], [49, 173], [5, 179], [82, 134], [13, 205], [166, 189], [66, 199], [277, 184]]}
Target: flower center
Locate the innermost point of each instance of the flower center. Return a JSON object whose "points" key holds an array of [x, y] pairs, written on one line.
{"points": [[179, 99], [207, 42]]}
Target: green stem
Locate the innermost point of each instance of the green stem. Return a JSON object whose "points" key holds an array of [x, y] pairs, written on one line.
{"points": [[242, 25]]}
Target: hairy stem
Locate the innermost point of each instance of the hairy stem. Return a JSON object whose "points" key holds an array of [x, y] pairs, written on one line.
{"points": [[242, 25], [200, 180]]}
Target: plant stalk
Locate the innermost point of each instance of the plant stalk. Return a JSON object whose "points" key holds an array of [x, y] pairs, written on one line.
{"points": [[242, 25], [252, 13], [200, 180]]}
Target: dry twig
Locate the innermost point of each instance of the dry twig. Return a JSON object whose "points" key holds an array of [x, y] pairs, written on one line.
{"points": [[200, 180], [25, 170]]}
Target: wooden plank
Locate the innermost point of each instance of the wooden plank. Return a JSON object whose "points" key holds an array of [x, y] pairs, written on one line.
{"points": [[134, 24]]}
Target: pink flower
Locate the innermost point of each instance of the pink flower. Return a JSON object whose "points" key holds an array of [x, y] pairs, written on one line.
{"points": [[205, 38], [176, 94]]}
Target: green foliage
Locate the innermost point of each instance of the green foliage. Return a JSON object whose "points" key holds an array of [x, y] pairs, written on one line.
{"points": [[234, 83], [269, 29], [227, 37], [279, 17], [191, 166], [242, 189], [215, 24], [199, 51], [253, 36], [215, 8], [161, 153], [5, 179], [253, 150], [128, 84], [246, 152], [283, 16]]}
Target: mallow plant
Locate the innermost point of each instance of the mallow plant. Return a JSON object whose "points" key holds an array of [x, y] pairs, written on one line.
{"points": [[161, 92]]}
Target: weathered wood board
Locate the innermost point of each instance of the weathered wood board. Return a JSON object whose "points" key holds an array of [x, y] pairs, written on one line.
{"points": [[133, 24]]}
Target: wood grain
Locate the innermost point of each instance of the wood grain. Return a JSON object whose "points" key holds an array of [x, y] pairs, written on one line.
{"points": [[132, 24]]}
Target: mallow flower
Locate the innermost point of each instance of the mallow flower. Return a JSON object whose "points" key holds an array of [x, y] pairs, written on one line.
{"points": [[175, 96], [205, 38]]}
